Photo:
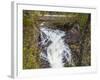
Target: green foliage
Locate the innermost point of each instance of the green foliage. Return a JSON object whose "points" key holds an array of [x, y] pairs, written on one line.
{"points": [[82, 18], [30, 35]]}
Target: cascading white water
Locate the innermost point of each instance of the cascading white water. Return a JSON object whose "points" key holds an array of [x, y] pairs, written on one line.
{"points": [[54, 48]]}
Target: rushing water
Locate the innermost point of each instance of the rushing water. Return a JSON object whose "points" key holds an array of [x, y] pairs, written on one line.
{"points": [[54, 49]]}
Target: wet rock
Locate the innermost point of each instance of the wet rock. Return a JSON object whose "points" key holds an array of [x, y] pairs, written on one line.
{"points": [[44, 64]]}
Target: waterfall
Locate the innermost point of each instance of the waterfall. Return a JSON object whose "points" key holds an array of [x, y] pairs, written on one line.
{"points": [[54, 49]]}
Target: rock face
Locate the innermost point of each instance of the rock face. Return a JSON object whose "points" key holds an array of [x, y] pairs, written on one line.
{"points": [[73, 39], [73, 35], [86, 47]]}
